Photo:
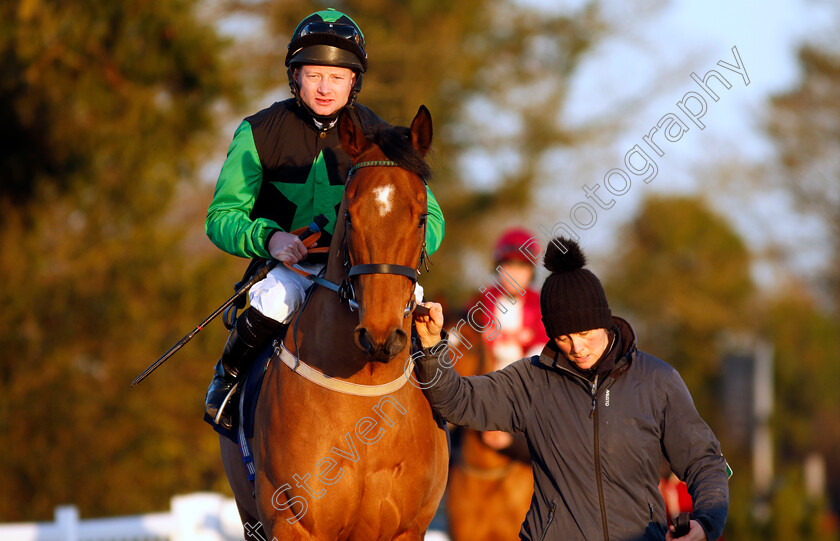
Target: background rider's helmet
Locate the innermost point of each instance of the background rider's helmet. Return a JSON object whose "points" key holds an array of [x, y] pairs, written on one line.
{"points": [[508, 246], [328, 38]]}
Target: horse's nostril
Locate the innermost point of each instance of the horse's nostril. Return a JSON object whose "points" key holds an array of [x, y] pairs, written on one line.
{"points": [[362, 338], [391, 346], [396, 342]]}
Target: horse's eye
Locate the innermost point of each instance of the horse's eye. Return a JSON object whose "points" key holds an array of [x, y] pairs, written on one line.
{"points": [[347, 216], [423, 218]]}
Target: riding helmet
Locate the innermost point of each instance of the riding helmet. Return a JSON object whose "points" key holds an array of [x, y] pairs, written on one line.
{"points": [[510, 244], [328, 38]]}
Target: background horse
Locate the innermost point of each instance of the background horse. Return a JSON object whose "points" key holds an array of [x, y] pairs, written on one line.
{"points": [[489, 490], [333, 465]]}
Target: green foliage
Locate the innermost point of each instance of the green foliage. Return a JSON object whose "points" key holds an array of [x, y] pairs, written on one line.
{"points": [[805, 126], [681, 275], [106, 106], [806, 341], [81, 76], [789, 513], [807, 411]]}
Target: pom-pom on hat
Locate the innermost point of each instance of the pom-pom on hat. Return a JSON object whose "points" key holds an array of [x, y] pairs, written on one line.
{"points": [[572, 298]]}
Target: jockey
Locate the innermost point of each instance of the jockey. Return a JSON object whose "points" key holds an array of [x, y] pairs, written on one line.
{"points": [[285, 166], [521, 331]]}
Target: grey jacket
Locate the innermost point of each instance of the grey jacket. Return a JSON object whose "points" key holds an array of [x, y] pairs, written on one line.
{"points": [[595, 445]]}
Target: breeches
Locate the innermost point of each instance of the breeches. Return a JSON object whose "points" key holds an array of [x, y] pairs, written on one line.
{"points": [[282, 291]]}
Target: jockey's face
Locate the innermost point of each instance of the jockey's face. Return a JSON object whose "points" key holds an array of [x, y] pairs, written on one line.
{"points": [[325, 89], [521, 271], [583, 348]]}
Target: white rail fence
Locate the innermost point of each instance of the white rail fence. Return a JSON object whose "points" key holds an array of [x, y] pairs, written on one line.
{"points": [[201, 516]]}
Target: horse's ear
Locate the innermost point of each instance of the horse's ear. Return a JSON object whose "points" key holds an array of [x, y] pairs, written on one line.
{"points": [[421, 131], [352, 138]]}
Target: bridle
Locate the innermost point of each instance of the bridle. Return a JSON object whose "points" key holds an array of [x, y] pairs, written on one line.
{"points": [[347, 294], [344, 289]]}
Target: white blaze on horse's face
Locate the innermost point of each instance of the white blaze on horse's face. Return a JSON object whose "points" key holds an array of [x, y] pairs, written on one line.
{"points": [[383, 197]]}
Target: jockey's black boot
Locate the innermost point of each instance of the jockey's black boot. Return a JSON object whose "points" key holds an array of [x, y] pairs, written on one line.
{"points": [[249, 335]]}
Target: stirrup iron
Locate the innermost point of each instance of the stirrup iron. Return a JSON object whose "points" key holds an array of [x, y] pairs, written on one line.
{"points": [[224, 403]]}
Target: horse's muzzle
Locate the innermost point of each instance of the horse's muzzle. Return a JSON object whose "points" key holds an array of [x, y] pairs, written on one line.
{"points": [[382, 351]]}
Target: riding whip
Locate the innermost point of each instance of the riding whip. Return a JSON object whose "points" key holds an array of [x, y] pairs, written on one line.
{"points": [[315, 227]]}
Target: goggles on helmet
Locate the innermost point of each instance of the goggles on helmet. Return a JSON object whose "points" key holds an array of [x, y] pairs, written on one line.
{"points": [[344, 31]]}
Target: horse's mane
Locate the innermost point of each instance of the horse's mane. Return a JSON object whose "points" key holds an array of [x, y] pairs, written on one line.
{"points": [[394, 142]]}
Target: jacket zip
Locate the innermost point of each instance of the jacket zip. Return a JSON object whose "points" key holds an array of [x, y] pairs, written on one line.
{"points": [[548, 522], [593, 414], [598, 479]]}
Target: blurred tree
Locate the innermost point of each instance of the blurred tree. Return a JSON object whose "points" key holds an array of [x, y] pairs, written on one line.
{"points": [[805, 126], [793, 513], [104, 109], [806, 345], [807, 410], [681, 276], [805, 423]]}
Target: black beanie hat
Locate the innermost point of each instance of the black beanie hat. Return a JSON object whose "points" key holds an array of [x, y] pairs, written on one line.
{"points": [[572, 298]]}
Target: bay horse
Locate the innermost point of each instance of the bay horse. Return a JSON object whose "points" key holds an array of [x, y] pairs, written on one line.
{"points": [[349, 451], [489, 492]]}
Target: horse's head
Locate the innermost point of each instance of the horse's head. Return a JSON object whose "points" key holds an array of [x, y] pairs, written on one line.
{"points": [[384, 228]]}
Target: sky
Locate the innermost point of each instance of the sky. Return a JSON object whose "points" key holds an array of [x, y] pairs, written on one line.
{"points": [[638, 75], [654, 57]]}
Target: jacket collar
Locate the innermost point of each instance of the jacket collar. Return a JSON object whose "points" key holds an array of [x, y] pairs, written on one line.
{"points": [[313, 120]]}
